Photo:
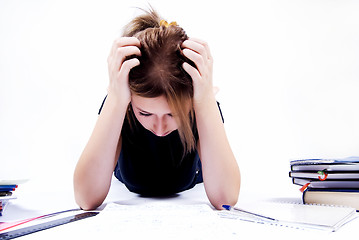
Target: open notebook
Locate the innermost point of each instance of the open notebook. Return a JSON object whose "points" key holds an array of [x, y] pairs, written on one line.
{"points": [[293, 215]]}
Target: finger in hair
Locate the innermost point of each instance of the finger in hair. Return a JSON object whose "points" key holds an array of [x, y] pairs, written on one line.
{"points": [[193, 72], [127, 41], [196, 58], [127, 66], [124, 53], [204, 47], [124, 41]]}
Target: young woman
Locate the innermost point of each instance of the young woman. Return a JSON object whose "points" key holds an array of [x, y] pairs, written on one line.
{"points": [[160, 129]]}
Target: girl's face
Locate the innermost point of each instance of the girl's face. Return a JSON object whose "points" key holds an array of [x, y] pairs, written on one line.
{"points": [[154, 114]]}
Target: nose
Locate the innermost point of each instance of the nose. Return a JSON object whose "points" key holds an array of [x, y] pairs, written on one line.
{"points": [[160, 128]]}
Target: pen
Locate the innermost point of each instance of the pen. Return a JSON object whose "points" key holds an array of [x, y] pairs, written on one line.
{"points": [[229, 208]]}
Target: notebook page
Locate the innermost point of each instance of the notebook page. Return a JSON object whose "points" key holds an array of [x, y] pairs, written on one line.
{"points": [[304, 215], [173, 221]]}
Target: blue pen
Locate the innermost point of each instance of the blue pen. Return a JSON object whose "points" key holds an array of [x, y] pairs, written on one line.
{"points": [[229, 208]]}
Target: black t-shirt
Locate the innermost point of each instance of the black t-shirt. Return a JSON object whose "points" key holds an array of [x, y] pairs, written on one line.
{"points": [[152, 165]]}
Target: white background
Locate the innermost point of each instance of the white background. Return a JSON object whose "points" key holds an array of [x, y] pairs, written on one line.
{"points": [[288, 71]]}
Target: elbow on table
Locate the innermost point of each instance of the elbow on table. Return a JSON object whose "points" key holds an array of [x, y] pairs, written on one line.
{"points": [[221, 198], [88, 197], [225, 200], [86, 201], [224, 196], [87, 204]]}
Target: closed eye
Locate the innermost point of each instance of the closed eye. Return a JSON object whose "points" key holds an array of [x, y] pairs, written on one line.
{"points": [[145, 114]]}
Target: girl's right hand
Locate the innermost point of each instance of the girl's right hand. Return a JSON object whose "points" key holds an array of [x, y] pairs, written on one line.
{"points": [[119, 67]]}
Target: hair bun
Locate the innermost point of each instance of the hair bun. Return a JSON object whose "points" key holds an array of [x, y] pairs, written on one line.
{"points": [[150, 19]]}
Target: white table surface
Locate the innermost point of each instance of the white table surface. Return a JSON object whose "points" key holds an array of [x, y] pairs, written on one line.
{"points": [[33, 201]]}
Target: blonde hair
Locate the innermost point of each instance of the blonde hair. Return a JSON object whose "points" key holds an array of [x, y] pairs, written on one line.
{"points": [[160, 72]]}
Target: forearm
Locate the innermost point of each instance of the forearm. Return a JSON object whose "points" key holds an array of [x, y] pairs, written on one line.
{"points": [[220, 170], [93, 173]]}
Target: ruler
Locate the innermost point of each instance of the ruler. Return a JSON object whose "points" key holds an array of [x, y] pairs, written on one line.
{"points": [[42, 226]]}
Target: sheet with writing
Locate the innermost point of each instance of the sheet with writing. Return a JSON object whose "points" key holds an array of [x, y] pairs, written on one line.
{"points": [[170, 220], [141, 221]]}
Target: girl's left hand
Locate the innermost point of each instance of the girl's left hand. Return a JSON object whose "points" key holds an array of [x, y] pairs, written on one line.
{"points": [[198, 51]]}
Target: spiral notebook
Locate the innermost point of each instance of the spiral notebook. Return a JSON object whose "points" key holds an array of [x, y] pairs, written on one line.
{"points": [[295, 215]]}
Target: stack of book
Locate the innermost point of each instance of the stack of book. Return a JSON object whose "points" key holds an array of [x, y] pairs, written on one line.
{"points": [[6, 193], [328, 181]]}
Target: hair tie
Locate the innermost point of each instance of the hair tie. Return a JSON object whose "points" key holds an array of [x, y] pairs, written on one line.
{"points": [[166, 24]]}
